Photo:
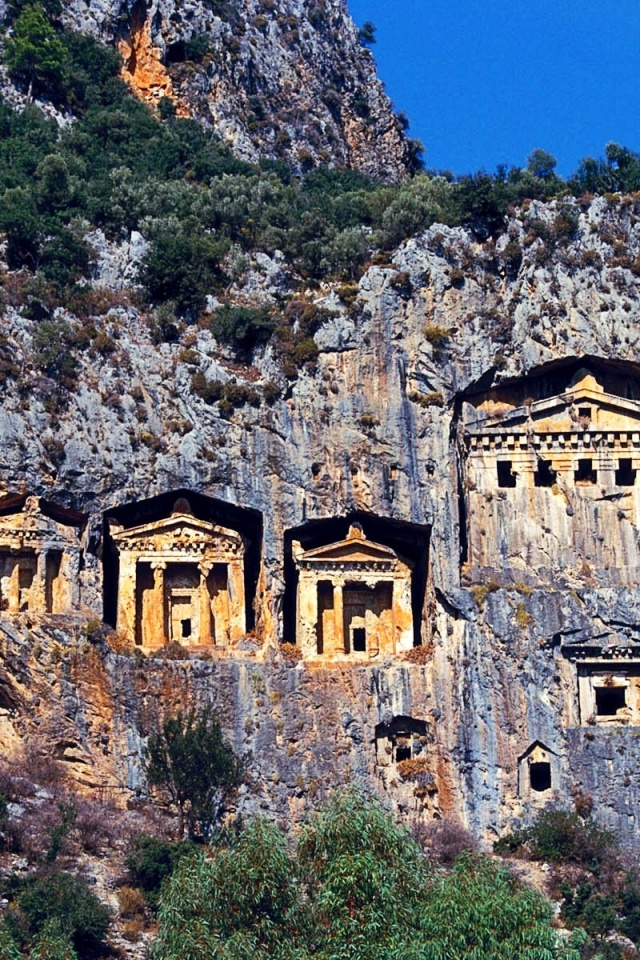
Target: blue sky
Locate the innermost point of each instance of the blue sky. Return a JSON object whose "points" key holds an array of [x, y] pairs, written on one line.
{"points": [[486, 83]]}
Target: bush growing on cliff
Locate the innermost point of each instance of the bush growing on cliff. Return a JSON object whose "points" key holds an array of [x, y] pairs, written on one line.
{"points": [[190, 759]]}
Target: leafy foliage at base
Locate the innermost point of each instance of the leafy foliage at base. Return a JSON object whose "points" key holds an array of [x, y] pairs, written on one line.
{"points": [[356, 887]]}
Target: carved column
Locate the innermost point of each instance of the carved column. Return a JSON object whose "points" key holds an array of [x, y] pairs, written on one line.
{"points": [[14, 588], [157, 633], [338, 618], [307, 614], [38, 600], [127, 595], [206, 632], [237, 603]]}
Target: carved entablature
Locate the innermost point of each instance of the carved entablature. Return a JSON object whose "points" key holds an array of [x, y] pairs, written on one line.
{"points": [[40, 556], [353, 599], [582, 421], [181, 579], [552, 481], [608, 674]]}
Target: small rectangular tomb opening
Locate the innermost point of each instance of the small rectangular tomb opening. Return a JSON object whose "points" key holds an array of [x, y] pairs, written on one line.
{"points": [[540, 776], [585, 474], [625, 474], [584, 413], [506, 476], [609, 700], [544, 476]]}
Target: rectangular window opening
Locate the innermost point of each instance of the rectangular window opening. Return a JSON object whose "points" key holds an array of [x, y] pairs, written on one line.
{"points": [[506, 476], [540, 777], [544, 475], [609, 700], [584, 413], [625, 474], [359, 640], [585, 473]]}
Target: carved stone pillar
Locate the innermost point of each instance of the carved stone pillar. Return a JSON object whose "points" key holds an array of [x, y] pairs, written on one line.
{"points": [[14, 588], [127, 596], [206, 633], [307, 614], [156, 632], [338, 617], [38, 600], [237, 608]]}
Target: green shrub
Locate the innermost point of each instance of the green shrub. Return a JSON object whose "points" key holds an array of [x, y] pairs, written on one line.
{"points": [[151, 861], [242, 327], [68, 900], [35, 56], [182, 266]]}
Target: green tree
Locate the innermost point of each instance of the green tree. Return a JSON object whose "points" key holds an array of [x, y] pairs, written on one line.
{"points": [[53, 943], [35, 56], [193, 762], [480, 912], [240, 902], [367, 33], [183, 265]]}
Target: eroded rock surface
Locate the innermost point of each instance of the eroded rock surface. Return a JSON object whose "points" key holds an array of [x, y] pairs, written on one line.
{"points": [[526, 686]]}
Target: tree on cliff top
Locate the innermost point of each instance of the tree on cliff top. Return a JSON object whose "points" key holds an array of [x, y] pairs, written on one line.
{"points": [[35, 56], [190, 759]]}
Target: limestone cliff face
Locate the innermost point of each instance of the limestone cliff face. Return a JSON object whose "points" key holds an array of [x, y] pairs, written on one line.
{"points": [[527, 689], [286, 79]]}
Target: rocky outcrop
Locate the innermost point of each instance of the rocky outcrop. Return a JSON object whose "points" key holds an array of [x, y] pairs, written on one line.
{"points": [[288, 80], [377, 430]]}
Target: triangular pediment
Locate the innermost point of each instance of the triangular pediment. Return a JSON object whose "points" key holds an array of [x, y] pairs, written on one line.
{"points": [[182, 526], [351, 551], [583, 406]]}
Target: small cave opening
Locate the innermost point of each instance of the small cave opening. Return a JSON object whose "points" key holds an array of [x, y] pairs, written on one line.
{"points": [[540, 776], [625, 475], [243, 520], [409, 540], [585, 474], [506, 476], [405, 737], [609, 700], [176, 52], [544, 476]]}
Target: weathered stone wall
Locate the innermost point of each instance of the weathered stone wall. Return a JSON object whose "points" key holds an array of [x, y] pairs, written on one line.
{"points": [[374, 429]]}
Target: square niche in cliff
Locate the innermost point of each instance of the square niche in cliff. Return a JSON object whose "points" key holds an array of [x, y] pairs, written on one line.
{"points": [[353, 599], [609, 693]]}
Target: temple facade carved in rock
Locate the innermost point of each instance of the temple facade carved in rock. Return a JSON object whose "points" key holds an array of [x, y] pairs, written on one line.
{"points": [[40, 556], [551, 483], [181, 579], [353, 599]]}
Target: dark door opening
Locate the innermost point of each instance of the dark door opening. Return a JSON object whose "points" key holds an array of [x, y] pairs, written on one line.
{"points": [[540, 776], [186, 628], [609, 700], [506, 477], [625, 474], [359, 640], [544, 475], [585, 472]]}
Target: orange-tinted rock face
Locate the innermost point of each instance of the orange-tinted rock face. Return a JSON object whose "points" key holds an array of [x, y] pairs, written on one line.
{"points": [[143, 69]]}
